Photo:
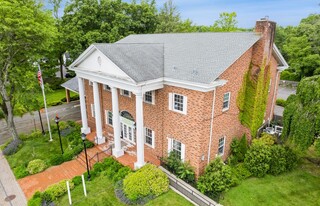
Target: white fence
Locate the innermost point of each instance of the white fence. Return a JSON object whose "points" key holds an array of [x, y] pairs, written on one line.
{"points": [[187, 190]]}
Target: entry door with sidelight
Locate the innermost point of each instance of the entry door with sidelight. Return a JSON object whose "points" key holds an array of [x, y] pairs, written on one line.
{"points": [[127, 130]]}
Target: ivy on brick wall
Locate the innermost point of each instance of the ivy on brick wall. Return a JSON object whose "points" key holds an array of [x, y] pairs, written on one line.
{"points": [[301, 117], [252, 98]]}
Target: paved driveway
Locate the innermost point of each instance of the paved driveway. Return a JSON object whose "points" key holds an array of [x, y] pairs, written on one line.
{"points": [[283, 93], [29, 122]]}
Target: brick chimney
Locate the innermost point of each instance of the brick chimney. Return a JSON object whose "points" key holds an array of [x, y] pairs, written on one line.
{"points": [[267, 30]]}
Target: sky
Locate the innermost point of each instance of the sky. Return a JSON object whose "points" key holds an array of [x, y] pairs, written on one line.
{"points": [[284, 12]]}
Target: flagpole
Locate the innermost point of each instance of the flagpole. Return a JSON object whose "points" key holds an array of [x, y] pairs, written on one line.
{"points": [[44, 100]]}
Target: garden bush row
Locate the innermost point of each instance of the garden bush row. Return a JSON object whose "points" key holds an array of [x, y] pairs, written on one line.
{"points": [[182, 169], [261, 158], [52, 193]]}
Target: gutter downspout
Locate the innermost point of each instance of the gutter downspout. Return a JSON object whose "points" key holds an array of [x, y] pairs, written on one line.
{"points": [[274, 96], [211, 123]]}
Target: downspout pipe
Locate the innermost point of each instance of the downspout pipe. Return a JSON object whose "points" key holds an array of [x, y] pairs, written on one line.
{"points": [[211, 124]]}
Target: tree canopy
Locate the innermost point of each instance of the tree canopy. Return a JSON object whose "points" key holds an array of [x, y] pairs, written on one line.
{"points": [[26, 31], [300, 45], [302, 114]]}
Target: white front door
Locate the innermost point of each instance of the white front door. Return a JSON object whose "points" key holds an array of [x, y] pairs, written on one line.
{"points": [[127, 130]]}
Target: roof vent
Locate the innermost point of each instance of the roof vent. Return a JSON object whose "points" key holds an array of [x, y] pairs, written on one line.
{"points": [[175, 68]]}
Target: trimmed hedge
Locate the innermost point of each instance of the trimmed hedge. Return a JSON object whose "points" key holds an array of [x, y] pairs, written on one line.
{"points": [[148, 180], [36, 166]]}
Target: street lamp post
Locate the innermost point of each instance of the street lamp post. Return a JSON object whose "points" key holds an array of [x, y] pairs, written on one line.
{"points": [[57, 119], [83, 137]]}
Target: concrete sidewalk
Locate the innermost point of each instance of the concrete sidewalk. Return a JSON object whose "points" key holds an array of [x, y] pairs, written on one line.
{"points": [[9, 187]]}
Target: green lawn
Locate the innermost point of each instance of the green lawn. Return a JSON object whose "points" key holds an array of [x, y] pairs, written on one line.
{"points": [[101, 193], [55, 96], [299, 187], [39, 147]]}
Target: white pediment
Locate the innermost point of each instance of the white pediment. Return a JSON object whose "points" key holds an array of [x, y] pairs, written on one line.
{"points": [[98, 62]]}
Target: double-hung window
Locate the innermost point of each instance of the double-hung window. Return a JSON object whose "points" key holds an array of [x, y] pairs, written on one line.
{"points": [[178, 103], [221, 146], [149, 97], [108, 115], [177, 148], [149, 137], [126, 93], [226, 101]]}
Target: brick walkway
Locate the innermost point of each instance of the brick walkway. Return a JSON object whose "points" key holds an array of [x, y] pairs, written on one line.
{"points": [[67, 170]]}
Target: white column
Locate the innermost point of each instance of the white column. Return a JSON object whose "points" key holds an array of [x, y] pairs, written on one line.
{"points": [[116, 151], [139, 127], [84, 129], [97, 112]]}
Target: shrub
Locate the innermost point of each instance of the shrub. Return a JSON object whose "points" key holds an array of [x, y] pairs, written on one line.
{"points": [[12, 147], [186, 172], [257, 159], [278, 160], [291, 76], [35, 134], [59, 189], [121, 174], [36, 199], [172, 162], [146, 181], [291, 157], [55, 103], [99, 167], [20, 172], [77, 180], [265, 139], [241, 172], [57, 159], [89, 144], [68, 155], [239, 149], [36, 166], [73, 98], [281, 102], [77, 149], [216, 178]]}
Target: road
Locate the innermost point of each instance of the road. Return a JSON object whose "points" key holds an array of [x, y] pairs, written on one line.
{"points": [[29, 122]]}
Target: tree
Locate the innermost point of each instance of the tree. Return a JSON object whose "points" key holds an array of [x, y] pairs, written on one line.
{"points": [[301, 118], [227, 22], [90, 21], [169, 18], [300, 45], [25, 32]]}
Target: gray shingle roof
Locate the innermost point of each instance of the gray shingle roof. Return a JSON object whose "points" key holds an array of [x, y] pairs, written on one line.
{"points": [[140, 61], [72, 84], [195, 57]]}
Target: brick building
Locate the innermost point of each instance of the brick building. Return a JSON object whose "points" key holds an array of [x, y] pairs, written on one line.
{"points": [[173, 92]]}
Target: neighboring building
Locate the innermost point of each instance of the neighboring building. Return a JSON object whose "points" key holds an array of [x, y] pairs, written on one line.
{"points": [[165, 92]]}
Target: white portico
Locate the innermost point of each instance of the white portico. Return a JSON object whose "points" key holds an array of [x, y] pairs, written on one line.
{"points": [[97, 66]]}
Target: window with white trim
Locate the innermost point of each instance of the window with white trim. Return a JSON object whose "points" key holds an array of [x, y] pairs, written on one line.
{"points": [[126, 93], [221, 146], [149, 97], [108, 115], [178, 103], [149, 137], [90, 83], [226, 101], [92, 110], [106, 87], [176, 147]]}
